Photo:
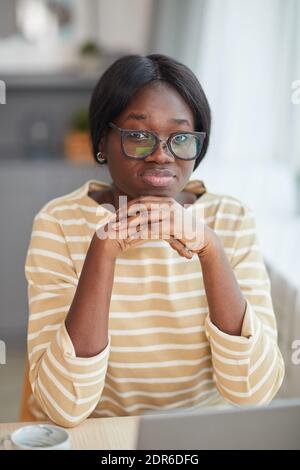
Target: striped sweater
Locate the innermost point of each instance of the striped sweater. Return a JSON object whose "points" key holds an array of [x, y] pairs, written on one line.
{"points": [[163, 350]]}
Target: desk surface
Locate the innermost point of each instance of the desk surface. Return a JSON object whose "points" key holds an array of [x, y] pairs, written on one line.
{"points": [[99, 433]]}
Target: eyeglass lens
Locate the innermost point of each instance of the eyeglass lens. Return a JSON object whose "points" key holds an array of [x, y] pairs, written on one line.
{"points": [[139, 144]]}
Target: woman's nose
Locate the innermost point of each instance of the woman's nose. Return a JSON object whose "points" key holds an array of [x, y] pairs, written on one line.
{"points": [[161, 154]]}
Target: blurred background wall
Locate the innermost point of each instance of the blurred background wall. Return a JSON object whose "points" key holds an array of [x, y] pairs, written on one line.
{"points": [[246, 55]]}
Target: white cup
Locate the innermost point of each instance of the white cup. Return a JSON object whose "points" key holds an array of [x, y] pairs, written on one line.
{"points": [[37, 437]]}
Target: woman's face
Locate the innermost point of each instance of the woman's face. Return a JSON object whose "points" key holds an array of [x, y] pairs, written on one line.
{"points": [[160, 108]]}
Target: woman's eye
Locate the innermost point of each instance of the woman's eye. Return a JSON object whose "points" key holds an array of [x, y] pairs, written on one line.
{"points": [[138, 135], [180, 139]]}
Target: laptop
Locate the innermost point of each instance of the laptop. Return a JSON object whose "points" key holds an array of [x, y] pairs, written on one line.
{"points": [[274, 426]]}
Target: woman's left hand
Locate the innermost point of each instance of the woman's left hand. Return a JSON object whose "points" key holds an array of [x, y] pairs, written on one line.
{"points": [[183, 228]]}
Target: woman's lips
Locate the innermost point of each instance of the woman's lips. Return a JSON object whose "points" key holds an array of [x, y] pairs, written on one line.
{"points": [[158, 177], [158, 180]]}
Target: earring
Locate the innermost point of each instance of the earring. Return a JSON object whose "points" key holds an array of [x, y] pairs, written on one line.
{"points": [[100, 158]]}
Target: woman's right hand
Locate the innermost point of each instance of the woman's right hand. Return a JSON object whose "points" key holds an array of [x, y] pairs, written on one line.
{"points": [[114, 240]]}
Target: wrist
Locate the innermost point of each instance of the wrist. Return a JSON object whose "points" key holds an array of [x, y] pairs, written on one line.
{"points": [[103, 247], [211, 244]]}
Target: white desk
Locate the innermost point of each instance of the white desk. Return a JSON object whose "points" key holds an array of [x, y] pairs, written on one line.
{"points": [[100, 433]]}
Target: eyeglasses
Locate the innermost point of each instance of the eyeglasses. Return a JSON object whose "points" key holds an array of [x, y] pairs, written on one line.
{"points": [[138, 144]]}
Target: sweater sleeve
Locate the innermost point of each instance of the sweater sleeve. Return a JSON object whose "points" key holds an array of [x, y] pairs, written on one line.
{"points": [[248, 369], [66, 387]]}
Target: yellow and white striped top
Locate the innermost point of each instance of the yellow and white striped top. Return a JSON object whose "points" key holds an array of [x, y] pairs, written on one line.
{"points": [[163, 350]]}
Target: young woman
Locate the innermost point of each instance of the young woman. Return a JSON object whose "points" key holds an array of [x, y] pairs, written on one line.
{"points": [[120, 324]]}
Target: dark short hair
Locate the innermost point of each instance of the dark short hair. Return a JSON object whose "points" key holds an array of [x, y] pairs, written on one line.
{"points": [[127, 75]]}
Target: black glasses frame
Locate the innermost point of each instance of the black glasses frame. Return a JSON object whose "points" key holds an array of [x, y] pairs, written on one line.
{"points": [[200, 135]]}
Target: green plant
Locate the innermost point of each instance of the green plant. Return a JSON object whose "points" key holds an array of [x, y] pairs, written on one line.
{"points": [[80, 121], [89, 48]]}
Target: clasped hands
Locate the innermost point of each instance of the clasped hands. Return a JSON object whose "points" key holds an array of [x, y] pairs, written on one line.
{"points": [[159, 218]]}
